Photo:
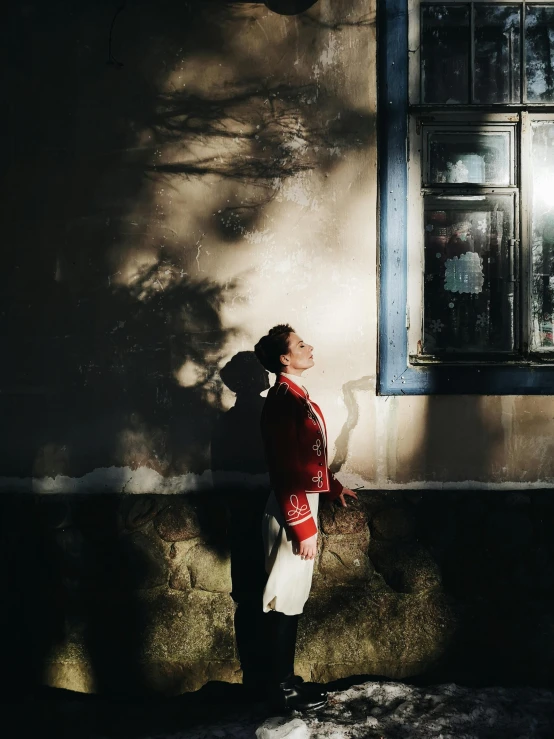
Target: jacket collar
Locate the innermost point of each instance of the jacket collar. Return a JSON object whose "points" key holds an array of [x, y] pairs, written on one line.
{"points": [[296, 388]]}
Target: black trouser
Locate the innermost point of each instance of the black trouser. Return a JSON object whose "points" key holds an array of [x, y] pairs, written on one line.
{"points": [[249, 577], [251, 640], [280, 634]]}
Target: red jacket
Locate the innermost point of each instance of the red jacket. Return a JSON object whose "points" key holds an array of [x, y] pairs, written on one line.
{"points": [[296, 454]]}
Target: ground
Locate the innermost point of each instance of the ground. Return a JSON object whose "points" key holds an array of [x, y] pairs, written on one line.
{"points": [[370, 709]]}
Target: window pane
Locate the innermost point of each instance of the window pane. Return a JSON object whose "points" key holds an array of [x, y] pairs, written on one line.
{"points": [[539, 47], [497, 54], [445, 53], [468, 291], [542, 225], [480, 158]]}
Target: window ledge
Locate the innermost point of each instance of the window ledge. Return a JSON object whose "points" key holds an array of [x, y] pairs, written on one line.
{"points": [[457, 360], [469, 379]]}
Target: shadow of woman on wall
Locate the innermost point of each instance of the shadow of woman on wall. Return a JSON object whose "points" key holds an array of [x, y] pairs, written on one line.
{"points": [[240, 474]]}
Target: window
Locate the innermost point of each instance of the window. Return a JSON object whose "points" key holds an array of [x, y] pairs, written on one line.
{"points": [[466, 153]]}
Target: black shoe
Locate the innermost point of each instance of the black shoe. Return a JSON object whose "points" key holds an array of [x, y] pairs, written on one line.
{"points": [[295, 695], [308, 688]]}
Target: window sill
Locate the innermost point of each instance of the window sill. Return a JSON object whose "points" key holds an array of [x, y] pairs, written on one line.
{"points": [[449, 378], [491, 360], [454, 360]]}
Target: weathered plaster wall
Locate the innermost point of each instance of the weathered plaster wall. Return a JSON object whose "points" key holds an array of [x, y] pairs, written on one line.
{"points": [[165, 209], [167, 212]]}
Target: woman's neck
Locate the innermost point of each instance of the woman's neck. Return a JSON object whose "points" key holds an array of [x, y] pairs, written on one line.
{"points": [[294, 378], [296, 373]]}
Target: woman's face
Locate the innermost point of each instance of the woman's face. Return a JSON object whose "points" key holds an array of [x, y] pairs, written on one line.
{"points": [[300, 356]]}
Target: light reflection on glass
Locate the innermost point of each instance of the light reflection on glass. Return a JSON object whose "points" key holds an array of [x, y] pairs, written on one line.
{"points": [[477, 158], [497, 54], [468, 295], [539, 48], [542, 234], [445, 53]]}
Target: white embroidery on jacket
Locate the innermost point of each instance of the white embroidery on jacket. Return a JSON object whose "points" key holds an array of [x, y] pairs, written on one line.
{"points": [[297, 510], [317, 447], [310, 411], [318, 479], [300, 520], [289, 387]]}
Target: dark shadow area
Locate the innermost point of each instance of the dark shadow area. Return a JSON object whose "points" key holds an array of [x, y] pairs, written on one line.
{"points": [[286, 131], [31, 600], [283, 7], [92, 377], [103, 600], [64, 713], [95, 351], [112, 331], [289, 7], [237, 452]]}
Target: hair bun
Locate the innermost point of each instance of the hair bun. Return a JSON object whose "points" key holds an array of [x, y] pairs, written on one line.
{"points": [[270, 347]]}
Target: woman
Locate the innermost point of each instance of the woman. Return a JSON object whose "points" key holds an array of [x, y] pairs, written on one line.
{"points": [[295, 440]]}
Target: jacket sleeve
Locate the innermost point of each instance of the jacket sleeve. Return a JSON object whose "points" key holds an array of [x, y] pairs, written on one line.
{"points": [[280, 436], [335, 487]]}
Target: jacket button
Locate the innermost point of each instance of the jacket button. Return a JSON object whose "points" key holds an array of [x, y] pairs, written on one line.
{"points": [[321, 464]]}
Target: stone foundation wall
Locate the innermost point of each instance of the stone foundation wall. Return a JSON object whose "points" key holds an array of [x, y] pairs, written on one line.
{"points": [[132, 594]]}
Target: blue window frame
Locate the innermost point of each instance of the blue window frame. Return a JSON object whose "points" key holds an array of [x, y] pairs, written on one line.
{"points": [[397, 376]]}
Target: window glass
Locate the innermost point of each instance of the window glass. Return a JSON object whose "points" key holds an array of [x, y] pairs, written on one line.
{"points": [[445, 53], [497, 54], [539, 51], [468, 286], [542, 234], [473, 157], [472, 302]]}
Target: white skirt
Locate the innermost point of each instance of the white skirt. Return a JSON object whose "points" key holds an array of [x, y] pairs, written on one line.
{"points": [[290, 577]]}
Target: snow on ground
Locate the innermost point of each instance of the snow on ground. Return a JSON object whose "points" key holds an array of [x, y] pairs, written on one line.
{"points": [[376, 710]]}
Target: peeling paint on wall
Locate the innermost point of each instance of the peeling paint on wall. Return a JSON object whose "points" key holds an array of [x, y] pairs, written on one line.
{"points": [[145, 481], [126, 480], [329, 54]]}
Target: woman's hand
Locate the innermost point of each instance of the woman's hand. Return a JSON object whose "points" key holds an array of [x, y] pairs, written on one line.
{"points": [[346, 491], [307, 549]]}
